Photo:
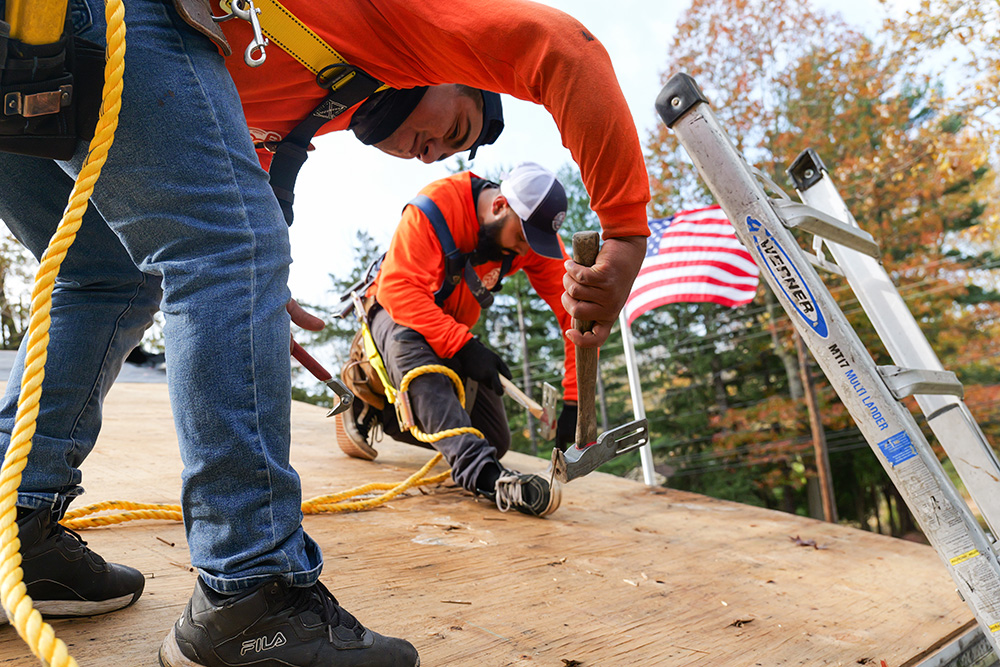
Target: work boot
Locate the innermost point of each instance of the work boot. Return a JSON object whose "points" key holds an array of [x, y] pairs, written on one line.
{"points": [[355, 429], [526, 492], [276, 625], [66, 578]]}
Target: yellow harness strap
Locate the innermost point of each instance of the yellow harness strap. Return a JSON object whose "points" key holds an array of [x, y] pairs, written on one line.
{"points": [[375, 359], [296, 38]]}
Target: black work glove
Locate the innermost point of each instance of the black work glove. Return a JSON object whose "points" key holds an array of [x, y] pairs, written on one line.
{"points": [[566, 426], [482, 364]]}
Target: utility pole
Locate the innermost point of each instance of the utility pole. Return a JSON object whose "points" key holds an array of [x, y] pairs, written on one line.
{"points": [[818, 434], [526, 372], [602, 400]]}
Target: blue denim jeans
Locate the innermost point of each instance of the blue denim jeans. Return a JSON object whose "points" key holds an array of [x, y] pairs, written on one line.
{"points": [[182, 219]]}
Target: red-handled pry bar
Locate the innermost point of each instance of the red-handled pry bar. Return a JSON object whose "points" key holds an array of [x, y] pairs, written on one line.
{"points": [[343, 394]]}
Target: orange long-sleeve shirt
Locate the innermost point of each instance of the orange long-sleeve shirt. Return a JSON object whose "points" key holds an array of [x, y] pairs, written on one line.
{"points": [[520, 48], [414, 269]]}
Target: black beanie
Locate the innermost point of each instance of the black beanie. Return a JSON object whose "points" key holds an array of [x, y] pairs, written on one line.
{"points": [[383, 112]]}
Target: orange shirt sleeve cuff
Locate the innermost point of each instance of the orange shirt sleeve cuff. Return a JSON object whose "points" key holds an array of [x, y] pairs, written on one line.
{"points": [[625, 220]]}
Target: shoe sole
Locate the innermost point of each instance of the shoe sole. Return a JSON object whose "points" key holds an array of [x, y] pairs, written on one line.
{"points": [[170, 654], [76, 608], [353, 446], [555, 498]]}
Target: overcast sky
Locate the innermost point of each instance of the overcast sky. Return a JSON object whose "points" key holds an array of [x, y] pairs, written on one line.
{"points": [[345, 185]]}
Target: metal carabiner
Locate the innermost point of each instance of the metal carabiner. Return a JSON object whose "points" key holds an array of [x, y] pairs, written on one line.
{"points": [[248, 55], [245, 9], [259, 41]]}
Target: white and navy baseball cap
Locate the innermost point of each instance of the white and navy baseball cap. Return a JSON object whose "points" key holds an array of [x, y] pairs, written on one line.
{"points": [[538, 198]]}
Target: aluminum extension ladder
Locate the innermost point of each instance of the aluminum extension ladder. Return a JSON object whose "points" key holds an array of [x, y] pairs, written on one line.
{"points": [[871, 393]]}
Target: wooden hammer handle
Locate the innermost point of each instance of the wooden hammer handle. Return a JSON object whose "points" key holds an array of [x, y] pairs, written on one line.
{"points": [[585, 247], [523, 399]]}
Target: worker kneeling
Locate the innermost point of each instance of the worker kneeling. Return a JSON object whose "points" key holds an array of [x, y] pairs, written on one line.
{"points": [[454, 244]]}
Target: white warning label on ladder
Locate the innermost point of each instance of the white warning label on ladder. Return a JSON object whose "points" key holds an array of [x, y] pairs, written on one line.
{"points": [[983, 590], [942, 522], [945, 526]]}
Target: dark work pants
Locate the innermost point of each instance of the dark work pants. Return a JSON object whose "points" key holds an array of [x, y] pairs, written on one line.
{"points": [[435, 403]]}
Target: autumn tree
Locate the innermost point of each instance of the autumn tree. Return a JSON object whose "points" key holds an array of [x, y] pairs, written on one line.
{"points": [[964, 38], [912, 167]]}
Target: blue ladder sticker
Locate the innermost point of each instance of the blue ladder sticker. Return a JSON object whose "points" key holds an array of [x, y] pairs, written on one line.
{"points": [[789, 280], [898, 448]]}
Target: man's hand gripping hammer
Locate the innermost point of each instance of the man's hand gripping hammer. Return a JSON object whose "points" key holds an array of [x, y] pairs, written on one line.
{"points": [[590, 451]]}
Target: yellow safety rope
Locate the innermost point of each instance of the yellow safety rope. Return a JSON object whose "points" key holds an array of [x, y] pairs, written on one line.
{"points": [[24, 617], [37, 634], [83, 517]]}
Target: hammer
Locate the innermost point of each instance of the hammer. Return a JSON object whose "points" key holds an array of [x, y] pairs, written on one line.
{"points": [[590, 451], [545, 413]]}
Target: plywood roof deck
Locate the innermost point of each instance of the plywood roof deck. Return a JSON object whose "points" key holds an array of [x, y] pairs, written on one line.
{"points": [[620, 575]]}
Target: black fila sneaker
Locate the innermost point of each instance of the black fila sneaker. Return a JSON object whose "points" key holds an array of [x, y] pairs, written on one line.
{"points": [[276, 625]]}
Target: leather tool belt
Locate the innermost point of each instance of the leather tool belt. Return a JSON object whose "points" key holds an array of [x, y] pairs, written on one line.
{"points": [[50, 94]]}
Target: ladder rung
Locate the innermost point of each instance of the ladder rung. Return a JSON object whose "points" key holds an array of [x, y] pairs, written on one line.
{"points": [[795, 215], [903, 382], [824, 264]]}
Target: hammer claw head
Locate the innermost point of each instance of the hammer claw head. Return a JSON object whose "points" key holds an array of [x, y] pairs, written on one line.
{"points": [[578, 461]]}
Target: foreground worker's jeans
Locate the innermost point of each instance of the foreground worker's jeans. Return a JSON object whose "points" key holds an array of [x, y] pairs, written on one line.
{"points": [[436, 406], [192, 209]]}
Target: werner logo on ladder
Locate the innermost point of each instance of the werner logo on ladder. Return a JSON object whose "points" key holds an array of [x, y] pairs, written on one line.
{"points": [[789, 280], [871, 393]]}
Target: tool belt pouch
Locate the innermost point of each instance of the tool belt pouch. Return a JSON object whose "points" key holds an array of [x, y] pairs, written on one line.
{"points": [[360, 377], [50, 95], [198, 15]]}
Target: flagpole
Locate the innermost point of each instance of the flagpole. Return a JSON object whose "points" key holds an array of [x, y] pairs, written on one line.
{"points": [[646, 451]]}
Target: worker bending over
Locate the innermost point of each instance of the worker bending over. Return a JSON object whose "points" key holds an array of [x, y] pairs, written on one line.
{"points": [[423, 304], [444, 61], [185, 220]]}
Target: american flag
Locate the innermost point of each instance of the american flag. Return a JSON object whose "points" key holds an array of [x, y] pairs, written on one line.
{"points": [[693, 256]]}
